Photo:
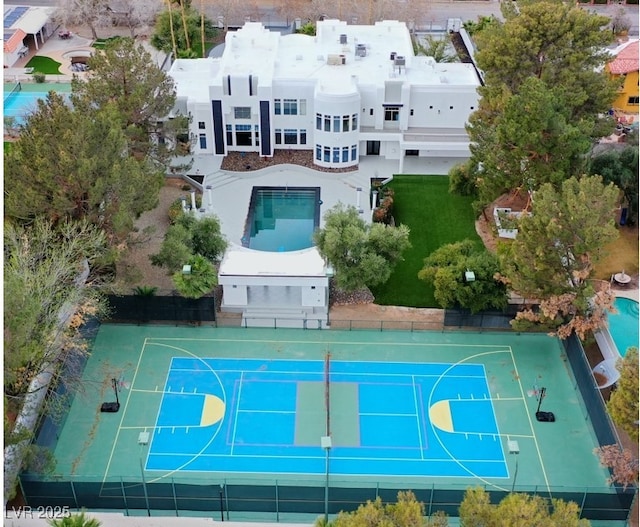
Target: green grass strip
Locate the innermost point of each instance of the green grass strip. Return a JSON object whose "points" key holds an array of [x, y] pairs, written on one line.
{"points": [[435, 218], [45, 65], [100, 43]]}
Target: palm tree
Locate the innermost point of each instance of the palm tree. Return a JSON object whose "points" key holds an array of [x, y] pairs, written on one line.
{"points": [[75, 520], [173, 35]]}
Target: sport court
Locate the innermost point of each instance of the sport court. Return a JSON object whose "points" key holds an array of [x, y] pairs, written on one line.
{"points": [[237, 415], [220, 404]]}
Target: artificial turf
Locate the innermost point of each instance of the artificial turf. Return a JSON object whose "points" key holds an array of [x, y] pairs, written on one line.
{"points": [[435, 218], [45, 65]]}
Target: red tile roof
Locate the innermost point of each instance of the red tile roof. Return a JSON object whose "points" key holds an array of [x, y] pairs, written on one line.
{"points": [[13, 41], [626, 60]]}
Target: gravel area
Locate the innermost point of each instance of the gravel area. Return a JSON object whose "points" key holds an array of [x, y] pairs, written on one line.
{"points": [[248, 161], [134, 268]]}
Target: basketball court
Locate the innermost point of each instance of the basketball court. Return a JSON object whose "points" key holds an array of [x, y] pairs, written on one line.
{"points": [[220, 404]]}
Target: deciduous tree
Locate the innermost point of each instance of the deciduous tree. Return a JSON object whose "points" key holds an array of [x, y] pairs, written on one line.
{"points": [[93, 13], [406, 512], [622, 462], [436, 48], [45, 306], [623, 404], [553, 255], [71, 163], [41, 269], [517, 510], [136, 14], [445, 268], [361, 254], [187, 237]]}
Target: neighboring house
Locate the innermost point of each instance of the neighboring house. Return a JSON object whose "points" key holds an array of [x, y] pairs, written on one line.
{"points": [[348, 92], [24, 25], [625, 66]]}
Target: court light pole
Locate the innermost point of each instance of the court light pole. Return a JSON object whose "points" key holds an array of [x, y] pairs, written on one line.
{"points": [[514, 449], [325, 442], [143, 440], [221, 502]]}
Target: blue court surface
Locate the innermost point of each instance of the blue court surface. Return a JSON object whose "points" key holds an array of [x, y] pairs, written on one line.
{"points": [[268, 416]]}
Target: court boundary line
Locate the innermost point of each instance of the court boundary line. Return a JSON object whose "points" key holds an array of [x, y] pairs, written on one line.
{"points": [[437, 436], [235, 421], [224, 394], [535, 439], [322, 457], [417, 415], [409, 381], [328, 342], [124, 412], [164, 391]]}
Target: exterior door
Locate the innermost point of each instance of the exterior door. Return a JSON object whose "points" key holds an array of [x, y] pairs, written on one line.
{"points": [[373, 148]]}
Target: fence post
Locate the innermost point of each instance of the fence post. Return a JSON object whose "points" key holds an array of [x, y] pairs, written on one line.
{"points": [[584, 498], [75, 497], [175, 498], [124, 496]]}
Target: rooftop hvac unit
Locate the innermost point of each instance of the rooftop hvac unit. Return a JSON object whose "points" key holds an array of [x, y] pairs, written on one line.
{"points": [[399, 61], [361, 50], [336, 60], [343, 39], [393, 55]]}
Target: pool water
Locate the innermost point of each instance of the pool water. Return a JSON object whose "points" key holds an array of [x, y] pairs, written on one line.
{"points": [[21, 103], [282, 219], [623, 325]]}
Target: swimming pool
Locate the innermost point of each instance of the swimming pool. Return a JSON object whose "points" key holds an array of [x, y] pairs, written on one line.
{"points": [[282, 219], [623, 325], [20, 103]]}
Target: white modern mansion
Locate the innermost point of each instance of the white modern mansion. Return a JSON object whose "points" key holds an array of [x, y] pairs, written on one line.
{"points": [[348, 92]]}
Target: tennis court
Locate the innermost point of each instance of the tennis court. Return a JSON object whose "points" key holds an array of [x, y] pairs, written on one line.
{"points": [[214, 404]]}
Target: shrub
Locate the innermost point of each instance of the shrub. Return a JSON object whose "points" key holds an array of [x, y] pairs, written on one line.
{"points": [[384, 212], [39, 77], [462, 180]]}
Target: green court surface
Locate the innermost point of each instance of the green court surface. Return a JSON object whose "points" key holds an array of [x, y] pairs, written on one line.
{"points": [[104, 447]]}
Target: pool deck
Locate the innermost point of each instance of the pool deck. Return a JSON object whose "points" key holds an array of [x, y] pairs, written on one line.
{"points": [[228, 189]]}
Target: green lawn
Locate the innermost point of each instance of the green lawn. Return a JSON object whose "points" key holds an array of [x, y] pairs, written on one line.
{"points": [[45, 65], [435, 218], [100, 43]]}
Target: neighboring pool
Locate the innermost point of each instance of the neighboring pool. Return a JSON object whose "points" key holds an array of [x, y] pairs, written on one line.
{"points": [[623, 326], [282, 219], [20, 103]]}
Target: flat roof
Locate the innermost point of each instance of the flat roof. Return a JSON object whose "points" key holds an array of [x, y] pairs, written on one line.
{"points": [[365, 50], [241, 261]]}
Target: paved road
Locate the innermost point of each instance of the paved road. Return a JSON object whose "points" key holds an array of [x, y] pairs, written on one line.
{"points": [[439, 11]]}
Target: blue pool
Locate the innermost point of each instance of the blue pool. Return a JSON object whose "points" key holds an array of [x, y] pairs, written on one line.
{"points": [[282, 219], [20, 103], [623, 326]]}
